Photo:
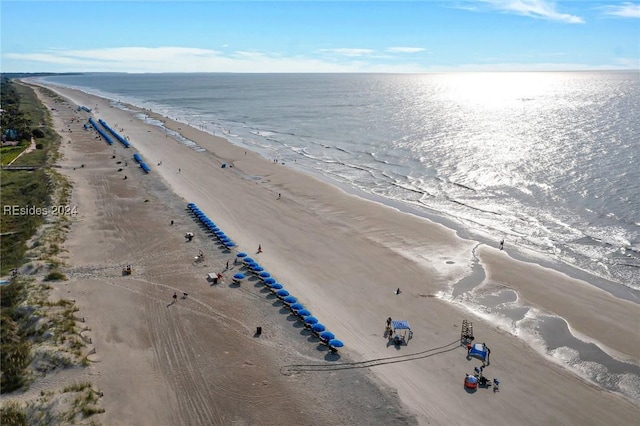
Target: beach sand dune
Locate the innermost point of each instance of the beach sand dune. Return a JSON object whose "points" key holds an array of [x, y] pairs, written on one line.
{"points": [[197, 362]]}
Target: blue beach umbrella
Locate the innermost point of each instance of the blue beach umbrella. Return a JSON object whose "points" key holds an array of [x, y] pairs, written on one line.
{"points": [[241, 255], [239, 276], [336, 343], [264, 275], [269, 281], [276, 286], [317, 327], [297, 306], [327, 335], [304, 313], [257, 269], [310, 320], [248, 260], [230, 244], [282, 293], [289, 300]]}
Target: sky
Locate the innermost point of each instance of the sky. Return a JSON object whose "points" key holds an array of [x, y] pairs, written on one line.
{"points": [[326, 36]]}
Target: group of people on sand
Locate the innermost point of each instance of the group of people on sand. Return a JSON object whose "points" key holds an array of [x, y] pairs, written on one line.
{"points": [[175, 296]]}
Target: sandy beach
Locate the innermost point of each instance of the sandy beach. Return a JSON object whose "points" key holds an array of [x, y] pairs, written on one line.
{"points": [[196, 361]]}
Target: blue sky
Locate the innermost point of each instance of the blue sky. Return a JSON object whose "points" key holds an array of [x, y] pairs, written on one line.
{"points": [[327, 36]]}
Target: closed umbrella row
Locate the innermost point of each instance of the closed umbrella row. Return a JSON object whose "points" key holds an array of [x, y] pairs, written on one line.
{"points": [[122, 140], [99, 130], [140, 161]]}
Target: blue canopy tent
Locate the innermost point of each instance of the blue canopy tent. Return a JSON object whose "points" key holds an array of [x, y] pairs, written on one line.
{"points": [[480, 351], [401, 331]]}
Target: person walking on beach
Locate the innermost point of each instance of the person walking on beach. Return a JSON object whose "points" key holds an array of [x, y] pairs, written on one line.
{"points": [[175, 297], [502, 244], [259, 248], [227, 264]]}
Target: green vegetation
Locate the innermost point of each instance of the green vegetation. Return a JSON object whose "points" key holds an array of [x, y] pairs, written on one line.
{"points": [[14, 346], [37, 335], [28, 189], [55, 275], [26, 316], [12, 414], [13, 116], [20, 190], [72, 405]]}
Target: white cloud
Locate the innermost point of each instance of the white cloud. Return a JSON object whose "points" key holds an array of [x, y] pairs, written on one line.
{"points": [[406, 49], [543, 9], [626, 10], [185, 59]]}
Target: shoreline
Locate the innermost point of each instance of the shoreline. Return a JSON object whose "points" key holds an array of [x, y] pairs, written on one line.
{"points": [[534, 251], [518, 252], [381, 236]]}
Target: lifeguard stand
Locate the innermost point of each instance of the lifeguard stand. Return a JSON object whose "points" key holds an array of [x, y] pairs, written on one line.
{"points": [[466, 333]]}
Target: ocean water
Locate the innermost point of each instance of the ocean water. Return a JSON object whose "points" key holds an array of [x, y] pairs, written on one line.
{"points": [[547, 161]]}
